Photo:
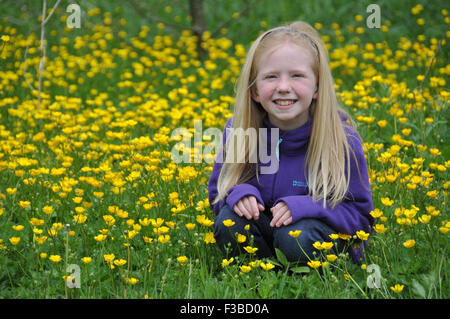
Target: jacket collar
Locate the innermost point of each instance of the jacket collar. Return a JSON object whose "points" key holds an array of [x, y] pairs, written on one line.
{"points": [[291, 141]]}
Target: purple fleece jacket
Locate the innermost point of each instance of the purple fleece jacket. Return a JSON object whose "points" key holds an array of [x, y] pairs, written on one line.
{"points": [[288, 184]]}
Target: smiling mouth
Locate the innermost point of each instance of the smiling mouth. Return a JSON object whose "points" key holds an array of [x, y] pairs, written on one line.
{"points": [[284, 102]]}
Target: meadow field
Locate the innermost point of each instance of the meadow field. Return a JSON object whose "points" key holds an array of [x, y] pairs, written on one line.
{"points": [[92, 204]]}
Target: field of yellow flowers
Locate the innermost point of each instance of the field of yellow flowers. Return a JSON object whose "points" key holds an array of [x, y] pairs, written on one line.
{"points": [[92, 204]]}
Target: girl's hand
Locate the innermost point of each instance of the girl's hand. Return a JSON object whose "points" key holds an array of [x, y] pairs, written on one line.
{"points": [[281, 215], [248, 207]]}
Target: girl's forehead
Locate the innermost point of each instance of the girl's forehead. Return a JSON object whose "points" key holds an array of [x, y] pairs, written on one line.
{"points": [[282, 50]]}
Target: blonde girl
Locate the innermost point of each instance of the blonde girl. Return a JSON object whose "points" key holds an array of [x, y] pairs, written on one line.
{"points": [[321, 185]]}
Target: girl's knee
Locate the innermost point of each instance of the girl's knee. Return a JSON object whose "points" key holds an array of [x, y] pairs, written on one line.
{"points": [[233, 224], [224, 214], [301, 248]]}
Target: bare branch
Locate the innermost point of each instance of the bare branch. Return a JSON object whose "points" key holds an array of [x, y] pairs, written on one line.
{"points": [[42, 53], [140, 11], [250, 5], [25, 64], [42, 47], [51, 12]]}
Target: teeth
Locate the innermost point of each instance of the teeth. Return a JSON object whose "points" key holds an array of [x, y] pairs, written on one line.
{"points": [[284, 102]]}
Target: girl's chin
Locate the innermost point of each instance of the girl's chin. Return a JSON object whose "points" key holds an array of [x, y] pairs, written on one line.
{"points": [[288, 122]]}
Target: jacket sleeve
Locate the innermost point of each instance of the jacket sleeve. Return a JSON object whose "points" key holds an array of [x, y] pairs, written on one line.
{"points": [[353, 213], [235, 193]]}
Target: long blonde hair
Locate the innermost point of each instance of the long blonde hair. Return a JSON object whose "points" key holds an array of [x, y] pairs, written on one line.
{"points": [[328, 150]]}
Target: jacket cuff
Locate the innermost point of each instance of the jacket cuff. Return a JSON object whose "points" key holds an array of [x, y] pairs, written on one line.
{"points": [[294, 202], [236, 193]]}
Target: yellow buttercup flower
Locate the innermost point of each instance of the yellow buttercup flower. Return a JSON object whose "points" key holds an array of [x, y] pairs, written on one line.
{"points": [[380, 228], [409, 243], [323, 246], [424, 219], [80, 219], [333, 236], [47, 210], [109, 220], [109, 258], [250, 250], [14, 240], [18, 227], [433, 193], [245, 268], [120, 262], [228, 222], [11, 191], [182, 259], [36, 221], [295, 234], [226, 262], [40, 240], [204, 221], [331, 257], [267, 266], [362, 235], [52, 232], [163, 238], [240, 238], [209, 238], [376, 213], [161, 230], [314, 264], [86, 260], [24, 204], [382, 123], [55, 258], [397, 288], [132, 281], [387, 201], [344, 236], [100, 237]]}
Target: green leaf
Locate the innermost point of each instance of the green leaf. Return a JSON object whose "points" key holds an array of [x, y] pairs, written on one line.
{"points": [[281, 257], [301, 270], [276, 263], [418, 289]]}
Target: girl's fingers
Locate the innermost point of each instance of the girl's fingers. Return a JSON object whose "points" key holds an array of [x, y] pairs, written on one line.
{"points": [[284, 219], [237, 210], [281, 214], [254, 207], [244, 210], [276, 212], [248, 207], [288, 221]]}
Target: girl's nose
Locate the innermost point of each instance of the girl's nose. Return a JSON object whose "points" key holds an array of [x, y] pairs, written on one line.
{"points": [[284, 86]]}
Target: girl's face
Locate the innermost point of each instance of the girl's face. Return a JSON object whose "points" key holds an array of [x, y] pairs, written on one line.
{"points": [[286, 85]]}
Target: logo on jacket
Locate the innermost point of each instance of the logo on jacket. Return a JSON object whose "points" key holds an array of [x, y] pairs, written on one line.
{"points": [[299, 183]]}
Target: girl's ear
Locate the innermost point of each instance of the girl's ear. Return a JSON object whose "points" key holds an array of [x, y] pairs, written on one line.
{"points": [[254, 93], [316, 92]]}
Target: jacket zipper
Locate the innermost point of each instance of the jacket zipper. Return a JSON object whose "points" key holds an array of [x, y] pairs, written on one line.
{"points": [[277, 150]]}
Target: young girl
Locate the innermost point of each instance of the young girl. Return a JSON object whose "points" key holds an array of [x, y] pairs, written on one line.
{"points": [[321, 186]]}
